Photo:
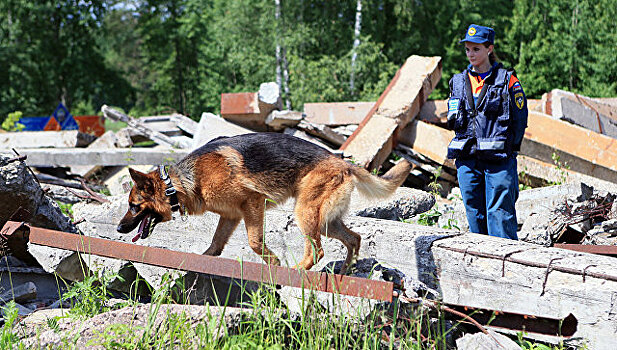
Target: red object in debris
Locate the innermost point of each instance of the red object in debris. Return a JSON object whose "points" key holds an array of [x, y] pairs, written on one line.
{"points": [[52, 125], [239, 103], [91, 124], [88, 124]]}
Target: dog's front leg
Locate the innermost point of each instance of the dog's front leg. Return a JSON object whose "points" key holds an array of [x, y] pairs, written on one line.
{"points": [[223, 231]]}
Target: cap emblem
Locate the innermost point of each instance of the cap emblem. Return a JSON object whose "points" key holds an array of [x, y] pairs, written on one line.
{"points": [[471, 31]]}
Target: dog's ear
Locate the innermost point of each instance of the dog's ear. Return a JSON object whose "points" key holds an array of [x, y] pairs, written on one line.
{"points": [[140, 179]]}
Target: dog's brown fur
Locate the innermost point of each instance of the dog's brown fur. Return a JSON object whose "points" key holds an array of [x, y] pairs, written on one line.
{"points": [[223, 177]]}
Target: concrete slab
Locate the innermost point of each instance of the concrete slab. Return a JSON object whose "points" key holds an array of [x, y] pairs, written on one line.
{"points": [[585, 151], [58, 157], [400, 103], [45, 139], [337, 113]]}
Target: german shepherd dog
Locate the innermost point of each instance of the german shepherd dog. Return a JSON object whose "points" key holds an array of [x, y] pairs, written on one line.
{"points": [[240, 177]]}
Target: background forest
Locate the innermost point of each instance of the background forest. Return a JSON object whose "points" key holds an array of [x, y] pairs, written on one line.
{"points": [[151, 57]]}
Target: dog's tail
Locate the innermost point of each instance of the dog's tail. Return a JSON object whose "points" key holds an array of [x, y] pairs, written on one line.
{"points": [[380, 187]]}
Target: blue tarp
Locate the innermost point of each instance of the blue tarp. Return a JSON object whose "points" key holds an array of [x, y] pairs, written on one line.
{"points": [[34, 123], [61, 114]]}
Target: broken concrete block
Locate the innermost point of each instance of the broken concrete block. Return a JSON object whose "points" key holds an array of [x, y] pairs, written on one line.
{"points": [[582, 111], [19, 189], [322, 131], [490, 341], [162, 124], [279, 120], [153, 135], [250, 109], [184, 123], [107, 140], [269, 97], [403, 205], [123, 138], [118, 180], [535, 229], [45, 139], [212, 126], [20, 293], [372, 142], [304, 136], [345, 130], [337, 113]]}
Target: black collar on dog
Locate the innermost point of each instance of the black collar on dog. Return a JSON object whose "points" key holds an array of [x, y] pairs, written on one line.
{"points": [[170, 191]]}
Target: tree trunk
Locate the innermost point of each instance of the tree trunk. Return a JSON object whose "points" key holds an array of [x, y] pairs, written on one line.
{"points": [[356, 43]]}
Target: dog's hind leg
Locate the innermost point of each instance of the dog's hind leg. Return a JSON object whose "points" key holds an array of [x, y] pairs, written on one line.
{"points": [[254, 212], [307, 218], [337, 229], [224, 229]]}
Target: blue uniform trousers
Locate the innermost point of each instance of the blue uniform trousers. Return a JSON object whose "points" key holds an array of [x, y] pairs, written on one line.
{"points": [[489, 190]]}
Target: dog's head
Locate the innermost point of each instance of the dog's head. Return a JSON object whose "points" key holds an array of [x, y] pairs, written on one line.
{"points": [[148, 205]]}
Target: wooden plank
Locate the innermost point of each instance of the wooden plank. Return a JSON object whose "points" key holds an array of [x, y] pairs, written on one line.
{"points": [[396, 107]]}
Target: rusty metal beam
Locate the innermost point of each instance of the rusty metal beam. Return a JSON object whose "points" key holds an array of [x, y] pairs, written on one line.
{"points": [[609, 250], [520, 322], [18, 232]]}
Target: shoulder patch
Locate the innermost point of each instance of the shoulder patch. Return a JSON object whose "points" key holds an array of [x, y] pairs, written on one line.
{"points": [[519, 99], [517, 87]]}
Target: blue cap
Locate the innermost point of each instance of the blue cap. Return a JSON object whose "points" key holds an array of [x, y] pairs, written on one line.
{"points": [[479, 34]]}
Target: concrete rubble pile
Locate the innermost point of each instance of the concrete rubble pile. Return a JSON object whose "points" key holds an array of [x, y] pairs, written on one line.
{"points": [[436, 262]]}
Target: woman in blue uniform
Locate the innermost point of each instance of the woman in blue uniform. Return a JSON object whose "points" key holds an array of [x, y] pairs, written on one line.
{"points": [[487, 109]]}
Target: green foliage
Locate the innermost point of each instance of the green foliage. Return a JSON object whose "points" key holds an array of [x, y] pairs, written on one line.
{"points": [[158, 56], [66, 208], [11, 122], [8, 334], [90, 296], [562, 168]]}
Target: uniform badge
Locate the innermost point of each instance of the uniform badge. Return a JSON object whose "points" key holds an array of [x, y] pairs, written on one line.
{"points": [[519, 99], [517, 86], [453, 104], [452, 108], [471, 31]]}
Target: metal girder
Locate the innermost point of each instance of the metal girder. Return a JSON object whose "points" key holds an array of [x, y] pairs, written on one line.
{"points": [[17, 233], [520, 322], [609, 250]]}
